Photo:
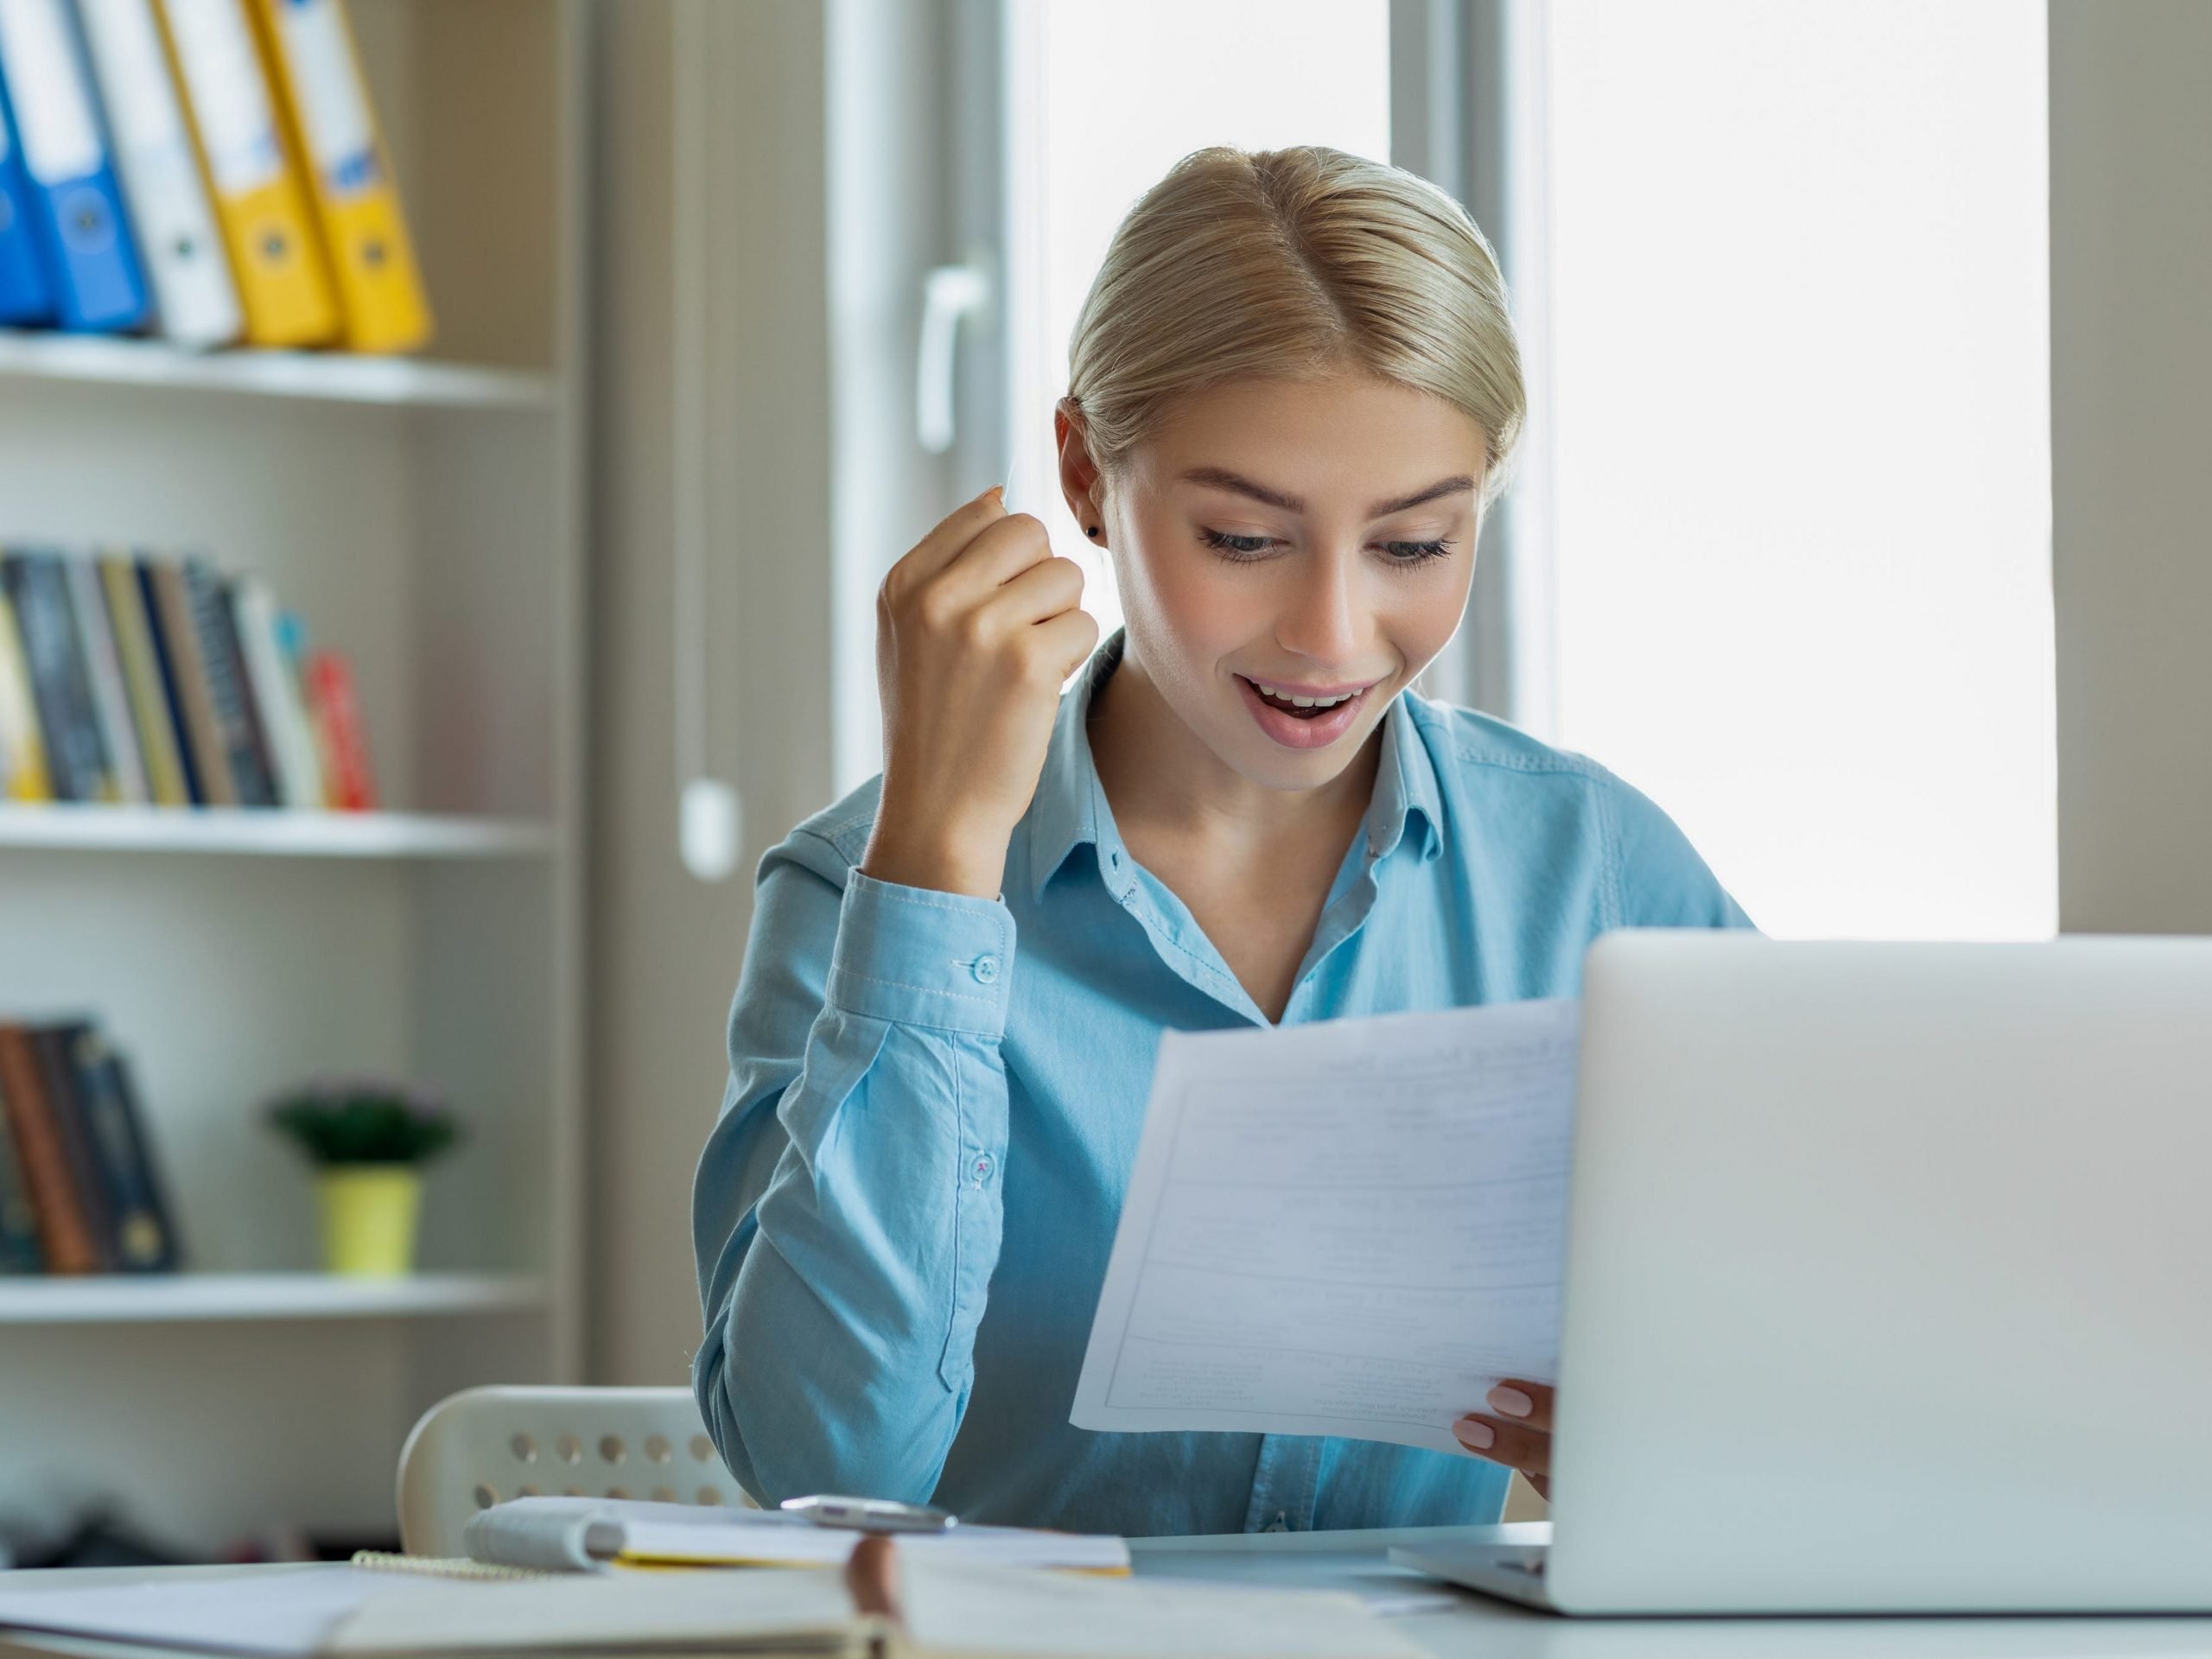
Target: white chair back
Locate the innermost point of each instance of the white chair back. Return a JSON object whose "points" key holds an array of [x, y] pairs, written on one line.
{"points": [[482, 1446]]}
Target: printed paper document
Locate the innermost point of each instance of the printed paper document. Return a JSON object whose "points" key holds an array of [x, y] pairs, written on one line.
{"points": [[1349, 1228]]}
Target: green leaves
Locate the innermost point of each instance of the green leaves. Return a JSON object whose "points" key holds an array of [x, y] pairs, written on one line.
{"points": [[364, 1123]]}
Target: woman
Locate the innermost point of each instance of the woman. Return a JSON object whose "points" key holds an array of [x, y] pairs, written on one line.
{"points": [[1293, 389]]}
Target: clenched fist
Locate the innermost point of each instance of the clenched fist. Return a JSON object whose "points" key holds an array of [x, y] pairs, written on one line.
{"points": [[975, 631]]}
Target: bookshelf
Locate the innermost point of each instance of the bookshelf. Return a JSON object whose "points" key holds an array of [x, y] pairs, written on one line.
{"points": [[308, 377], [124, 1298], [426, 517], [74, 828]]}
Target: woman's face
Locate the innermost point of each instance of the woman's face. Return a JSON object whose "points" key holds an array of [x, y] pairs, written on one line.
{"points": [[1294, 539]]}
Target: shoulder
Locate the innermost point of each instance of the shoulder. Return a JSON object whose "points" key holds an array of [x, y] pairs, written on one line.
{"points": [[1469, 743], [1498, 781], [1498, 778], [831, 843]]}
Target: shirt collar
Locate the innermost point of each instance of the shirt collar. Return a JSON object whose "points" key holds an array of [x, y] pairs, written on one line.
{"points": [[1406, 792], [1070, 809]]}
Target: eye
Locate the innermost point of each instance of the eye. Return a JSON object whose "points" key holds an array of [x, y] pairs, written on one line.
{"points": [[1236, 548], [1417, 552]]}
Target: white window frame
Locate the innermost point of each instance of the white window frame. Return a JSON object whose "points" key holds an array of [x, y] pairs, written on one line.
{"points": [[1468, 81]]}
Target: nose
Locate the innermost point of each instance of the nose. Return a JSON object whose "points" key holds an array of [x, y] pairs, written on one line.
{"points": [[1321, 616]]}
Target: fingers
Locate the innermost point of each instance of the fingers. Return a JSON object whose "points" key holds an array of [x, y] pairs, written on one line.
{"points": [[950, 582], [1501, 1440], [1516, 1431], [1065, 642], [1003, 550], [980, 541], [872, 1578], [1526, 1402], [1041, 592], [955, 530]]}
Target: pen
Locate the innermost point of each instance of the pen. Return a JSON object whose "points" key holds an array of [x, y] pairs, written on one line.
{"points": [[869, 1514]]}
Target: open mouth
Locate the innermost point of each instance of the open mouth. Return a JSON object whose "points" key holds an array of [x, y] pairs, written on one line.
{"points": [[1300, 708], [1298, 722]]}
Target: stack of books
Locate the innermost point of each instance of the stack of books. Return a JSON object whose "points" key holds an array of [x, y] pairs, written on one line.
{"points": [[80, 1192], [208, 169], [159, 682]]}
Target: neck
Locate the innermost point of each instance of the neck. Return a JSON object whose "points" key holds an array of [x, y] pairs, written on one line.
{"points": [[1157, 772]]}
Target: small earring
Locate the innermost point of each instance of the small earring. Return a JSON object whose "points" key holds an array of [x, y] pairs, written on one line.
{"points": [[1091, 531]]}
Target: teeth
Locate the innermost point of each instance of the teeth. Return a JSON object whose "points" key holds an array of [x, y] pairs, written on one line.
{"points": [[1305, 703]]}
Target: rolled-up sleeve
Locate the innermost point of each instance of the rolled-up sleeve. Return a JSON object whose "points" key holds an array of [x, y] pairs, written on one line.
{"points": [[846, 1214]]}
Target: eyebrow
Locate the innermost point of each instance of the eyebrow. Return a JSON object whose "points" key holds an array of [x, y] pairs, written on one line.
{"points": [[1221, 478]]}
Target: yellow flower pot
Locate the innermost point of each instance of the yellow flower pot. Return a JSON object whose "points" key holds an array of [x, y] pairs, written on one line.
{"points": [[368, 1216]]}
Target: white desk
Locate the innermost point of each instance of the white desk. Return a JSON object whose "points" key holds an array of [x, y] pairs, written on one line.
{"points": [[1464, 1625], [1477, 1625]]}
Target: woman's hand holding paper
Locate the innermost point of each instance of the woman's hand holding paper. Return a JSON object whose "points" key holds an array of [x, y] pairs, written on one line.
{"points": [[1516, 1430]]}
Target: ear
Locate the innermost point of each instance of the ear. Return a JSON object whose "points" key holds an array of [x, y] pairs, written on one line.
{"points": [[1081, 485]]}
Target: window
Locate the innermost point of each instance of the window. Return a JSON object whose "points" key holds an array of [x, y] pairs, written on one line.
{"points": [[1102, 99], [1801, 413]]}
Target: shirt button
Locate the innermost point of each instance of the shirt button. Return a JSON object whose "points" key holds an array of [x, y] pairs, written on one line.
{"points": [[981, 1168], [986, 970]]}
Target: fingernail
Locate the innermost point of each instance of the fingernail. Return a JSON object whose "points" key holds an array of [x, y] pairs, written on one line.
{"points": [[1480, 1435], [998, 490], [1511, 1402]]}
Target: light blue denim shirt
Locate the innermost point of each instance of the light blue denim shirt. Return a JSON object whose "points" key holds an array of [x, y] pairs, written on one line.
{"points": [[903, 1215]]}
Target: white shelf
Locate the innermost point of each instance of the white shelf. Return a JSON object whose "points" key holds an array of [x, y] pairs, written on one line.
{"points": [[79, 826], [164, 1298], [323, 377]]}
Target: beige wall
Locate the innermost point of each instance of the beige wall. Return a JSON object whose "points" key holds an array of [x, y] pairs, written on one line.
{"points": [[2130, 267], [666, 948]]}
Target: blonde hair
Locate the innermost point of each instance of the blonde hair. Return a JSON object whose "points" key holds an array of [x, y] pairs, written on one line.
{"points": [[1289, 263]]}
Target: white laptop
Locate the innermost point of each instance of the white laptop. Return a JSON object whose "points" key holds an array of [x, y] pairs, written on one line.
{"points": [[1889, 1283]]}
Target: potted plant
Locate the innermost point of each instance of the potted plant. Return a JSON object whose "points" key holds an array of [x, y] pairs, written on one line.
{"points": [[368, 1141]]}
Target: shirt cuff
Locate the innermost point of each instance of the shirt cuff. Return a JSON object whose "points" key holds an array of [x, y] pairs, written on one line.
{"points": [[915, 956]]}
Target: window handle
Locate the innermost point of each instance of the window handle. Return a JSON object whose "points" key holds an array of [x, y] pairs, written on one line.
{"points": [[949, 293]]}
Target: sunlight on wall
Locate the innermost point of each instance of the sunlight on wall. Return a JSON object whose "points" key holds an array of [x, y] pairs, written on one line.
{"points": [[1800, 331]]}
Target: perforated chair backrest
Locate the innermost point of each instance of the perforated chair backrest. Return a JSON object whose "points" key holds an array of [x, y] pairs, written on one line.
{"points": [[482, 1446]]}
